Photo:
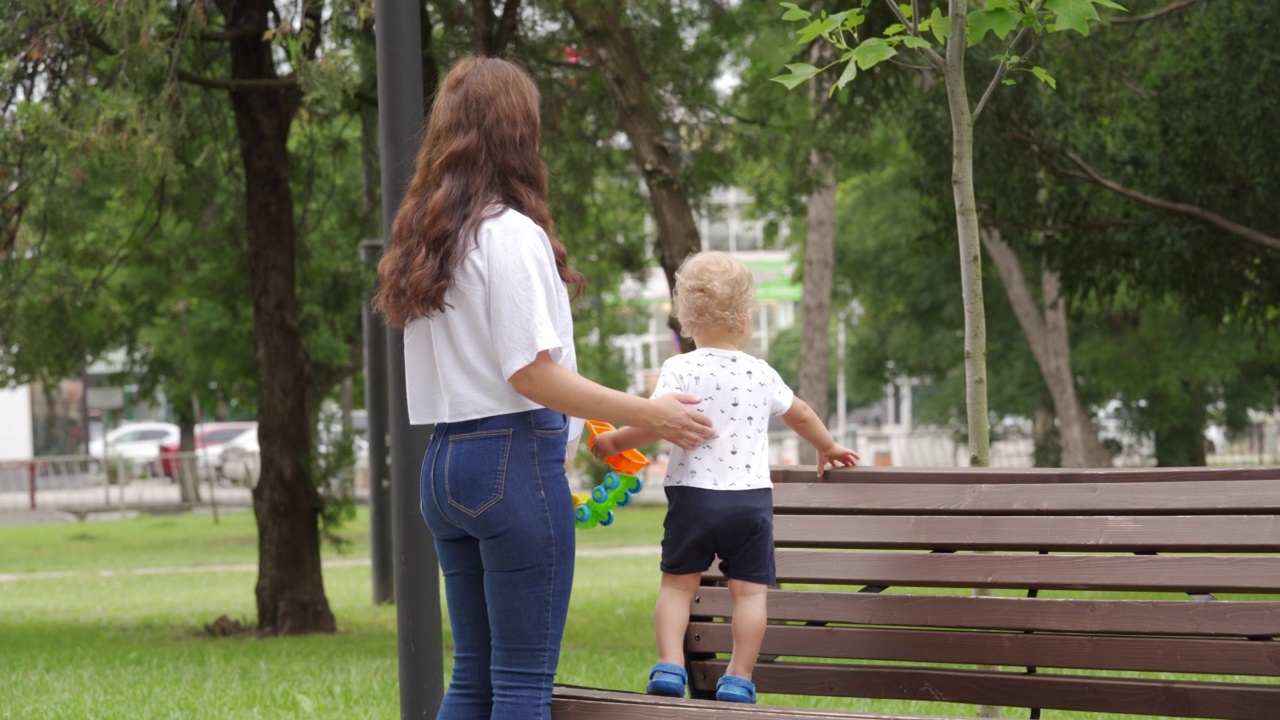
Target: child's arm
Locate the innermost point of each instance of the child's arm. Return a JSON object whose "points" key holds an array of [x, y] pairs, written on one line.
{"points": [[608, 444], [801, 418]]}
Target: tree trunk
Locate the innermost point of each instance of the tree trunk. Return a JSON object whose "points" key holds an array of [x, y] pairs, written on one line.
{"points": [[1047, 335], [819, 260], [1180, 444], [1047, 446], [290, 590], [975, 321], [815, 305], [612, 52]]}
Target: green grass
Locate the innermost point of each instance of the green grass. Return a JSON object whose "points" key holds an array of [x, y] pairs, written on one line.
{"points": [[103, 631]]}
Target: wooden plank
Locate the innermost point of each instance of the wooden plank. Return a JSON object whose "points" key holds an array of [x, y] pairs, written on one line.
{"points": [[1159, 698], [916, 475], [1066, 572], [1065, 533], [1251, 497], [1151, 617], [1042, 650], [574, 703]]}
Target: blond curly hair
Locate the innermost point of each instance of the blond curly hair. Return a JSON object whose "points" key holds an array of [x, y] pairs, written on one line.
{"points": [[714, 292]]}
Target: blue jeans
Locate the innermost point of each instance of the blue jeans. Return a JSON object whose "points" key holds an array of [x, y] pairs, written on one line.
{"points": [[496, 499]]}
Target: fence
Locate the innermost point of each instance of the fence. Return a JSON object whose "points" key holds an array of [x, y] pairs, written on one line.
{"points": [[80, 484]]}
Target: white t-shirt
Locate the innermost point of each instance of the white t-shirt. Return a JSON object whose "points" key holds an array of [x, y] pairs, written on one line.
{"points": [[740, 393], [506, 303]]}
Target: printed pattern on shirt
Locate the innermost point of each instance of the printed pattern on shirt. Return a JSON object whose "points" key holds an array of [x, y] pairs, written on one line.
{"points": [[739, 393]]}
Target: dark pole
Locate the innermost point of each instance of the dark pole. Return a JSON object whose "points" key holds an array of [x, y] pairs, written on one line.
{"points": [[375, 393], [400, 115]]}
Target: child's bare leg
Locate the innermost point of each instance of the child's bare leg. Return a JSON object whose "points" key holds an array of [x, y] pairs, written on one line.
{"points": [[671, 614], [750, 615]]}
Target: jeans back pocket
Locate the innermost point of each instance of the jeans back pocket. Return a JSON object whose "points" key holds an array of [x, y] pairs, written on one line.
{"points": [[476, 469]]}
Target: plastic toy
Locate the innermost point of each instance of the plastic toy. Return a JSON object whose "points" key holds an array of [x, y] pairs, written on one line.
{"points": [[615, 491], [627, 462]]}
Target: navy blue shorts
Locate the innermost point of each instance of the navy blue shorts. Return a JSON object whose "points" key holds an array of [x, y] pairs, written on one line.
{"points": [[736, 525]]}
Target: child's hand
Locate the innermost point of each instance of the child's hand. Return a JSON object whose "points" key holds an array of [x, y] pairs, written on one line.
{"points": [[603, 447], [836, 455]]}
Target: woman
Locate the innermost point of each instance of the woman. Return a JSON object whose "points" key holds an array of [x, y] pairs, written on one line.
{"points": [[477, 279]]}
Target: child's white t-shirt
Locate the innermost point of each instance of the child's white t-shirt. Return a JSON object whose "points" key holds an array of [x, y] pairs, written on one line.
{"points": [[506, 304], [739, 393]]}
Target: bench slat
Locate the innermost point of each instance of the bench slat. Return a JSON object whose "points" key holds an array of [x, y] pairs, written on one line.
{"points": [[1019, 476], [1161, 617], [1077, 572], [1153, 498], [1232, 701], [1241, 533], [1042, 650], [574, 703]]}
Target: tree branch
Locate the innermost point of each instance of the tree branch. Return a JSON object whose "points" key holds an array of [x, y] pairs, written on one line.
{"points": [[1086, 172], [284, 83], [508, 24], [930, 54], [1172, 8], [225, 35], [1003, 67]]}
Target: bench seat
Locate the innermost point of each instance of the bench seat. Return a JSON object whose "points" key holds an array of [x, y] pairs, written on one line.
{"points": [[1149, 592]]}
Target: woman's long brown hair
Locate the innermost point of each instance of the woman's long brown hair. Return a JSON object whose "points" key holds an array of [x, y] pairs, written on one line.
{"points": [[480, 154]]}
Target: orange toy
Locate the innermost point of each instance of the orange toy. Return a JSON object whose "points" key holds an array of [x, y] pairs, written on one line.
{"points": [[627, 462]]}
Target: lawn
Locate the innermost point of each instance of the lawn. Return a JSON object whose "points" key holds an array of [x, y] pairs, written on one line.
{"points": [[103, 620]]}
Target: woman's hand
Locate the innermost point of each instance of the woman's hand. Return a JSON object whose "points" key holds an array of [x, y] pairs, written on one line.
{"points": [[673, 420]]}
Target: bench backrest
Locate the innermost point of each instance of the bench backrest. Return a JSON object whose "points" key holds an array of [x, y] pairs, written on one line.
{"points": [[1152, 592]]}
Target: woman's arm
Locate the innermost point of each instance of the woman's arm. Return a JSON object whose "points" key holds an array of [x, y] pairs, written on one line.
{"points": [[561, 389]]}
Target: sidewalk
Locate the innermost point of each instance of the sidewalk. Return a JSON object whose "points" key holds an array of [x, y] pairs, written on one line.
{"points": [[251, 567]]}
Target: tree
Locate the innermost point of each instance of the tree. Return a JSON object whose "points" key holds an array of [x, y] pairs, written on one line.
{"points": [[142, 94], [955, 32], [613, 52]]}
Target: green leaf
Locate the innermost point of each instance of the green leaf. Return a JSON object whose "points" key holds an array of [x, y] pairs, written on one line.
{"points": [[1000, 21], [1009, 81], [873, 52], [850, 72], [1032, 20], [795, 12], [1071, 15], [895, 29], [799, 73], [940, 25], [853, 19], [916, 43], [1044, 77], [810, 32], [1111, 4], [905, 9]]}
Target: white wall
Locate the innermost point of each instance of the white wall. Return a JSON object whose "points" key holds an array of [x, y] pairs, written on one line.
{"points": [[16, 442]]}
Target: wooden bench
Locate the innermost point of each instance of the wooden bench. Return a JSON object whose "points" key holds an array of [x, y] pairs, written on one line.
{"points": [[1152, 592]]}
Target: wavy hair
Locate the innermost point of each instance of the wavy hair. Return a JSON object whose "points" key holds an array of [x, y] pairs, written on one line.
{"points": [[480, 154], [714, 292]]}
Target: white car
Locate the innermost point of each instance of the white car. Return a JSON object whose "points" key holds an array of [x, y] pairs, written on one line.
{"points": [[240, 460], [137, 444]]}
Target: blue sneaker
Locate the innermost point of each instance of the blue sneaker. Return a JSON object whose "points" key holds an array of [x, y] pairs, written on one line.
{"points": [[667, 679], [732, 688]]}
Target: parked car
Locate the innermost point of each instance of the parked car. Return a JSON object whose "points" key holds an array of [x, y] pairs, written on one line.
{"points": [[239, 461], [210, 438], [136, 444]]}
